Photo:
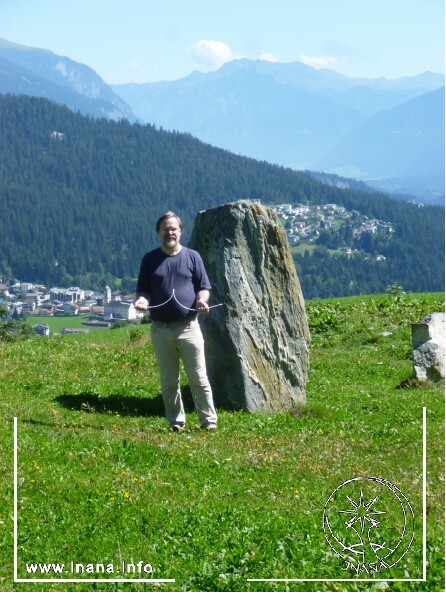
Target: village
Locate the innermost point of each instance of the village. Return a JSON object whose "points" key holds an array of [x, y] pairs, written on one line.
{"points": [[305, 223], [97, 309]]}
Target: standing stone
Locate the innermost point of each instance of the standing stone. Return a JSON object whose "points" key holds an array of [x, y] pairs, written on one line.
{"points": [[428, 347], [257, 344]]}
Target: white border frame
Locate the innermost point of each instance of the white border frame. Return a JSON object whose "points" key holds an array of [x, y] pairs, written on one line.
{"points": [[165, 581]]}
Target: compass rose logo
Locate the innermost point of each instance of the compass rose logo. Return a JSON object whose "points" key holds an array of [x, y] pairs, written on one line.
{"points": [[369, 523]]}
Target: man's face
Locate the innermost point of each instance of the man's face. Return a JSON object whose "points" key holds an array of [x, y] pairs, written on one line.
{"points": [[170, 233]]}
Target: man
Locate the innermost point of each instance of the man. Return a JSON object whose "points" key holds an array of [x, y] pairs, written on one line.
{"points": [[174, 286]]}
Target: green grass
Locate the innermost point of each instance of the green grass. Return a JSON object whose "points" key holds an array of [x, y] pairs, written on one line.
{"points": [[56, 324], [300, 249], [102, 480]]}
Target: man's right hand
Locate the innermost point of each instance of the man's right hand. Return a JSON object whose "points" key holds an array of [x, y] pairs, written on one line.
{"points": [[142, 303]]}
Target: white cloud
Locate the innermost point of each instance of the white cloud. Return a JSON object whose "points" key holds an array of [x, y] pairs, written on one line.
{"points": [[317, 62], [212, 54], [267, 56]]}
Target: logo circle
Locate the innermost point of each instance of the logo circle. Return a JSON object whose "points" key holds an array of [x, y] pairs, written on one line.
{"points": [[368, 520]]}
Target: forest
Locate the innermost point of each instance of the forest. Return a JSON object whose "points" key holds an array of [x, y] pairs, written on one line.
{"points": [[79, 198]]}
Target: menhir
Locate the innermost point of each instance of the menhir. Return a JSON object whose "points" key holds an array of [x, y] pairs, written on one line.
{"points": [[257, 344]]}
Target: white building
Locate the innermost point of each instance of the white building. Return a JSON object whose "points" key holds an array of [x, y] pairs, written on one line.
{"points": [[67, 294], [71, 309], [26, 287], [123, 311], [107, 295]]}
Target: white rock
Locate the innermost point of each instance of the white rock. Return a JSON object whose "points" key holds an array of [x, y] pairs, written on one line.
{"points": [[428, 347]]}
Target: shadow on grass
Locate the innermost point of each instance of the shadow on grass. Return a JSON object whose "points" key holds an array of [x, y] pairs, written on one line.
{"points": [[90, 402]]}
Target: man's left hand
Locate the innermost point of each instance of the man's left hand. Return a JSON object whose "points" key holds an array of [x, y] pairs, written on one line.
{"points": [[202, 306]]}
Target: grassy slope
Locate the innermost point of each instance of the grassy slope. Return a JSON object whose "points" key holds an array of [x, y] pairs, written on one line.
{"points": [[100, 478], [56, 324]]}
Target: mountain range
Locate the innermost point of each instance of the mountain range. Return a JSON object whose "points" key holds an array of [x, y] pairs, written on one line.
{"points": [[388, 133], [303, 118], [401, 149], [41, 73]]}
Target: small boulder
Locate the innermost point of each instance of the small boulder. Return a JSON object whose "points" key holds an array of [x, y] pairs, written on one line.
{"points": [[428, 347]]}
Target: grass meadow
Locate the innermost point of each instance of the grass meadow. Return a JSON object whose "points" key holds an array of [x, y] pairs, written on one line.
{"points": [[56, 324], [102, 481]]}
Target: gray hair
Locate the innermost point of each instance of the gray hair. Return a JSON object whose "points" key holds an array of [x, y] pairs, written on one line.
{"points": [[164, 217]]}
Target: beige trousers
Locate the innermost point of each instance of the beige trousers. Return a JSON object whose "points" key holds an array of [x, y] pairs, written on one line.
{"points": [[183, 341]]}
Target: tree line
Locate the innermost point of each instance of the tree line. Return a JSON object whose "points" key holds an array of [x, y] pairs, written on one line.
{"points": [[80, 208]]}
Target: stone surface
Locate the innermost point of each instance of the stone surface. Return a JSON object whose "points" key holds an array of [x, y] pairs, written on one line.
{"points": [[428, 347], [257, 344]]}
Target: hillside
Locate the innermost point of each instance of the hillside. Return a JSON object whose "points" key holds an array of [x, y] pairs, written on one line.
{"points": [[237, 108], [394, 145], [79, 205], [285, 113], [99, 469], [41, 73], [297, 116]]}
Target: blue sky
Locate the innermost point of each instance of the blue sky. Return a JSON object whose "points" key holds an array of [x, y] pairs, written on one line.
{"points": [[146, 40]]}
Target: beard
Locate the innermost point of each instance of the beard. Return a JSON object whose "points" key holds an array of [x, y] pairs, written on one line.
{"points": [[170, 242]]}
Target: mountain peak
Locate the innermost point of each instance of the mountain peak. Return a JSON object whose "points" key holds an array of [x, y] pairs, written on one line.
{"points": [[40, 72], [5, 44]]}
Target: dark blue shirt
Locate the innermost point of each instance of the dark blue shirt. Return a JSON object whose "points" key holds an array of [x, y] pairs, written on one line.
{"points": [[160, 274]]}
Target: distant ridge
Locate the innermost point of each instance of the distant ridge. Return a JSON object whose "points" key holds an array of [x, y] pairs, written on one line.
{"points": [[393, 147], [41, 73], [290, 114]]}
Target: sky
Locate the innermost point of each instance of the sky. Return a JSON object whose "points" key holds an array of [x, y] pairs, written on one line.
{"points": [[148, 41]]}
